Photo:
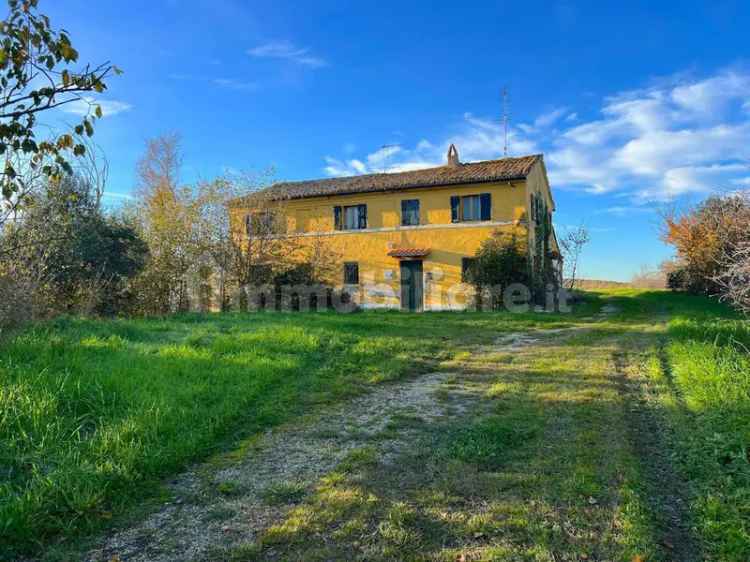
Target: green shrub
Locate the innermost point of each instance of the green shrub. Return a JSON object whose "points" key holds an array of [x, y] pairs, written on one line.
{"points": [[500, 261]]}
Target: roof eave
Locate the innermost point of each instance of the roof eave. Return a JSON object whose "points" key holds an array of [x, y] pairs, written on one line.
{"points": [[401, 188]]}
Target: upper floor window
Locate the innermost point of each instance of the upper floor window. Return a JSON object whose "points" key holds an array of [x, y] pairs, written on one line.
{"points": [[409, 212], [471, 208], [351, 217]]}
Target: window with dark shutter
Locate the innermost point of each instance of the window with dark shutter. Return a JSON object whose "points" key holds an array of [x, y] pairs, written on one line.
{"points": [[410, 212], [338, 218], [468, 208], [351, 273], [467, 268], [455, 208], [485, 204], [362, 216]]}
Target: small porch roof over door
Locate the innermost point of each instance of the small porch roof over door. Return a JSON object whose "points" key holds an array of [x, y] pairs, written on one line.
{"points": [[408, 252]]}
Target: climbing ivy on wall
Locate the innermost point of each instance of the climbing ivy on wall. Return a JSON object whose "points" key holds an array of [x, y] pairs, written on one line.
{"points": [[542, 263]]}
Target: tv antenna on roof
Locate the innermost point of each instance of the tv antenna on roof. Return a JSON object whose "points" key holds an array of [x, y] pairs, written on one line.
{"points": [[386, 155], [506, 119]]}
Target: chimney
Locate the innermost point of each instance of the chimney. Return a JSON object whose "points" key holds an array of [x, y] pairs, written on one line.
{"points": [[453, 160]]}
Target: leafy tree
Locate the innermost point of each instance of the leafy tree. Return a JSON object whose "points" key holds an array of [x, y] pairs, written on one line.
{"points": [[500, 261], [705, 237], [80, 258], [168, 217], [36, 75]]}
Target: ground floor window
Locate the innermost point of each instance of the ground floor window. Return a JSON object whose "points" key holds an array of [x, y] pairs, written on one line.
{"points": [[467, 265], [351, 273]]}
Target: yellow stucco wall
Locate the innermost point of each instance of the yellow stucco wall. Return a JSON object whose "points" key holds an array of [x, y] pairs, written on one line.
{"points": [[312, 220]]}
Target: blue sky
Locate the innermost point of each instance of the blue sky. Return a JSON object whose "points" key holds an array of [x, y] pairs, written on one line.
{"points": [[635, 105]]}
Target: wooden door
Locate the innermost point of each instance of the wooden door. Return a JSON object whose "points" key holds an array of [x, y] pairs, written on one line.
{"points": [[411, 286]]}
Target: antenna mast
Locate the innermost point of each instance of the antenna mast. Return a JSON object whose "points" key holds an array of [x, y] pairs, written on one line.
{"points": [[505, 120]]}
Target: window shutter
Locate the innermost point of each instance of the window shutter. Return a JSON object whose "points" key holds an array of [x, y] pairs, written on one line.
{"points": [[249, 224], [351, 273], [455, 204], [338, 218], [404, 211], [485, 200], [362, 216]]}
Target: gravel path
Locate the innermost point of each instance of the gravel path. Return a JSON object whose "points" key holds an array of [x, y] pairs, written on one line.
{"points": [[203, 517], [231, 506]]}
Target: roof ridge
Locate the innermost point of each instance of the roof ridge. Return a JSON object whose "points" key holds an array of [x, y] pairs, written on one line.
{"points": [[403, 172], [502, 169]]}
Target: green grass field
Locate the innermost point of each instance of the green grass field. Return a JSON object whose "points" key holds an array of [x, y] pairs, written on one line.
{"points": [[94, 414], [704, 373]]}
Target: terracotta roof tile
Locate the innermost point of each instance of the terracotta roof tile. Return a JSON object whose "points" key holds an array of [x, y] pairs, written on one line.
{"points": [[408, 252], [503, 169]]}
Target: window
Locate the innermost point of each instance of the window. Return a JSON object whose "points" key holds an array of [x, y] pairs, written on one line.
{"points": [[467, 267], [410, 212], [351, 273], [471, 208], [353, 217]]}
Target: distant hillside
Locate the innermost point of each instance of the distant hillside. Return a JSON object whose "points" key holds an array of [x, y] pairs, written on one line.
{"points": [[599, 284]]}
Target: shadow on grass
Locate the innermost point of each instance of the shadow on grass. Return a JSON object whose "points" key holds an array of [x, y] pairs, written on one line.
{"points": [[541, 471]]}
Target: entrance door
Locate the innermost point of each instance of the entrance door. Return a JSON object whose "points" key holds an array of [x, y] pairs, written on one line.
{"points": [[411, 285]]}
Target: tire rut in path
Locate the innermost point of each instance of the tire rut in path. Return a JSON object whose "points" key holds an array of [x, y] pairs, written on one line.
{"points": [[666, 492]]}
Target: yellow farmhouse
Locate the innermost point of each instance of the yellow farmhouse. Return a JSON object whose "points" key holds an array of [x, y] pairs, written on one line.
{"points": [[406, 239]]}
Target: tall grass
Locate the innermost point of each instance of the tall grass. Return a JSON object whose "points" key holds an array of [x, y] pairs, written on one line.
{"points": [[707, 365], [93, 413]]}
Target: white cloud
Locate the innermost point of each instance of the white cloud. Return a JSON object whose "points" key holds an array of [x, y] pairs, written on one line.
{"points": [[337, 168], [661, 142], [713, 95], [679, 137], [549, 118], [288, 51], [379, 157], [358, 166], [476, 138], [86, 106]]}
